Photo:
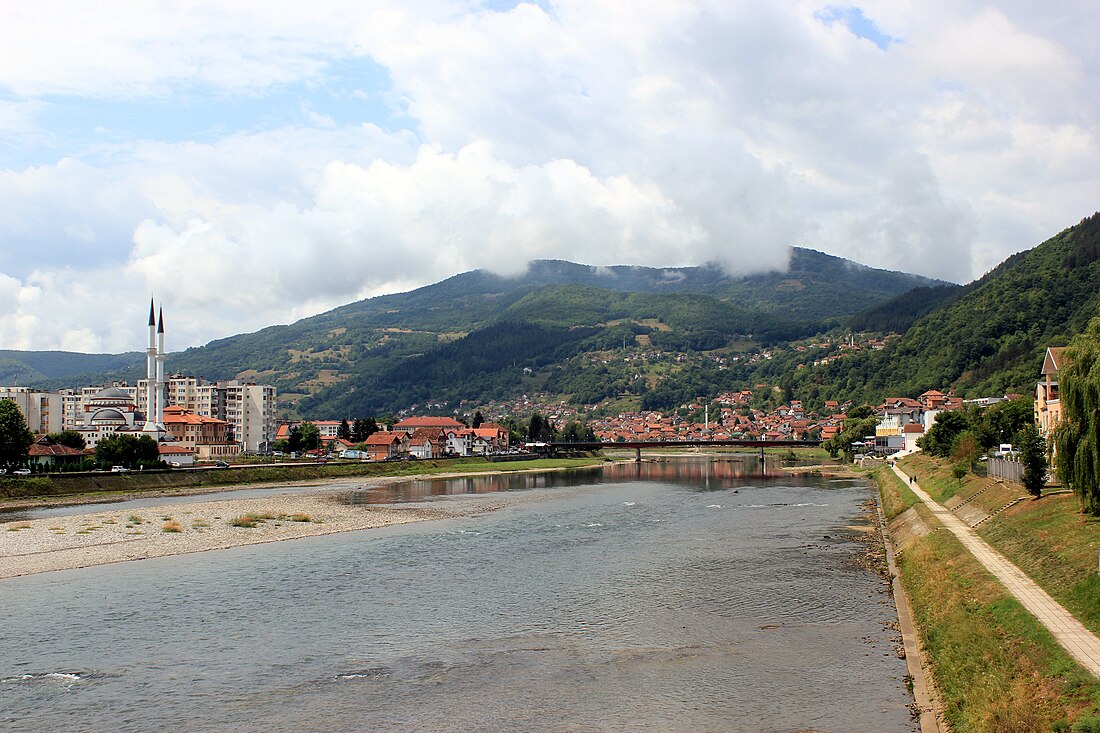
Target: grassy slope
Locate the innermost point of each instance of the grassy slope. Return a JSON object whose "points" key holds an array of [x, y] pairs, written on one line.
{"points": [[996, 668], [1049, 539]]}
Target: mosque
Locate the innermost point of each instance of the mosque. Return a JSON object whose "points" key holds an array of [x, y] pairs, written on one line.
{"points": [[114, 409]]}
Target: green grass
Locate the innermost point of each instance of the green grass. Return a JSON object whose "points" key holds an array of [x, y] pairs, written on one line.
{"points": [[898, 498], [995, 667]]}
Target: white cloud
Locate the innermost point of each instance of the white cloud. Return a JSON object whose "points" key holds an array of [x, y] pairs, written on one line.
{"points": [[657, 133]]}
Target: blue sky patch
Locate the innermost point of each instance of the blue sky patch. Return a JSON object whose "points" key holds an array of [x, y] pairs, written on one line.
{"points": [[857, 23]]}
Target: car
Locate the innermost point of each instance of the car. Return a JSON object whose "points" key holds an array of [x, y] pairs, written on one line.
{"points": [[119, 469], [175, 464], [21, 472], [3, 472], [221, 464]]}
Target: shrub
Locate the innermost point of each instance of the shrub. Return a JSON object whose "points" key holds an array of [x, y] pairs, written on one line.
{"points": [[1087, 724]]}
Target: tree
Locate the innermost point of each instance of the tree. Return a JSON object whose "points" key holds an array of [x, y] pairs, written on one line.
{"points": [[362, 429], [15, 436], [940, 438], [1033, 457], [344, 431], [294, 440], [1077, 437], [310, 435], [127, 450], [854, 429], [478, 420], [68, 438], [860, 413], [577, 432], [539, 430]]}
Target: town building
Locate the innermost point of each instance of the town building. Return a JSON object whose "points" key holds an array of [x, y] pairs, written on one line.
{"points": [[385, 445], [208, 437], [1048, 403], [43, 411]]}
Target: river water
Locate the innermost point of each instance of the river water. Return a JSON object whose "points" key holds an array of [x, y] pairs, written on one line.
{"points": [[677, 596]]}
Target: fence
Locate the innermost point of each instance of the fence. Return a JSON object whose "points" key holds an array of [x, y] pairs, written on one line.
{"points": [[1005, 469]]}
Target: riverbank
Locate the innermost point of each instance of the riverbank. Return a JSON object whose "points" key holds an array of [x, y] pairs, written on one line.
{"points": [[995, 668], [105, 537], [123, 487]]}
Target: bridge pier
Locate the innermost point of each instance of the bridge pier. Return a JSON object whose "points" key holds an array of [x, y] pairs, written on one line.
{"points": [[637, 455]]}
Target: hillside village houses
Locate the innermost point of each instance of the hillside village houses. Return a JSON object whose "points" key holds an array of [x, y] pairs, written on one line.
{"points": [[189, 417]]}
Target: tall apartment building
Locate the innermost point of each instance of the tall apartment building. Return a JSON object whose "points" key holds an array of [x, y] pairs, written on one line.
{"points": [[248, 408], [250, 411], [42, 410], [191, 393]]}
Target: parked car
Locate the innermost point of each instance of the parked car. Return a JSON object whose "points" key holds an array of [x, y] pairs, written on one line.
{"points": [[119, 469], [21, 472], [175, 464], [221, 464]]}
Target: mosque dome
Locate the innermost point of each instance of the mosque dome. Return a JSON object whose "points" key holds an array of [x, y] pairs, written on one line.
{"points": [[108, 415], [111, 394]]}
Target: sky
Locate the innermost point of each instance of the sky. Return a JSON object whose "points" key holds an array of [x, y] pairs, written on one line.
{"points": [[250, 163]]}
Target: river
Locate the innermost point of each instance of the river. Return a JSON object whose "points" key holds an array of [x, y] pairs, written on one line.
{"points": [[675, 596]]}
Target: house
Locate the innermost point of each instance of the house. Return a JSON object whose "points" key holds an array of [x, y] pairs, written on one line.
{"points": [[933, 400], [44, 452], [387, 444], [427, 443], [173, 453], [496, 436], [458, 442], [1048, 404], [912, 433], [338, 446]]}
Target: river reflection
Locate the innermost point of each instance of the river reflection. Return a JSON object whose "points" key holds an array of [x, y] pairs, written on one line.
{"points": [[703, 471]]}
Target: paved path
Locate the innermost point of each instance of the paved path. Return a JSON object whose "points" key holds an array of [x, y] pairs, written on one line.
{"points": [[1081, 643]]}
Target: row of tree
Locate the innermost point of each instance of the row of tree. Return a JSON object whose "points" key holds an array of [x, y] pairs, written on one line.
{"points": [[963, 435]]}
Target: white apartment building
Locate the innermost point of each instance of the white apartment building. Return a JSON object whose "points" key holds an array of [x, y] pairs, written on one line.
{"points": [[248, 408], [42, 410], [250, 412]]}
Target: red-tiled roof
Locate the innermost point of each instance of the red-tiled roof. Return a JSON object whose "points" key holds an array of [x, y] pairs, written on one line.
{"points": [[179, 416], [428, 422], [383, 438], [52, 449], [174, 450]]}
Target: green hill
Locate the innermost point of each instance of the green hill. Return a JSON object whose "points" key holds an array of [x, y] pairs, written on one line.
{"points": [[471, 335], [991, 338]]}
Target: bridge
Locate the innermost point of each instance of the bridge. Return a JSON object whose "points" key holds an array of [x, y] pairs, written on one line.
{"points": [[638, 445]]}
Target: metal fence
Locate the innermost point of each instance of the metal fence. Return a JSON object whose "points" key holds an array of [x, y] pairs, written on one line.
{"points": [[1004, 469]]}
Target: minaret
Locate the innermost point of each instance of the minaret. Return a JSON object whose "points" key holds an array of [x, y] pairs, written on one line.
{"points": [[150, 374], [161, 396]]}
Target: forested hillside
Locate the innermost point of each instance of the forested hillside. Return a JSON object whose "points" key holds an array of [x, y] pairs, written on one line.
{"points": [[437, 344], [988, 341], [38, 367]]}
